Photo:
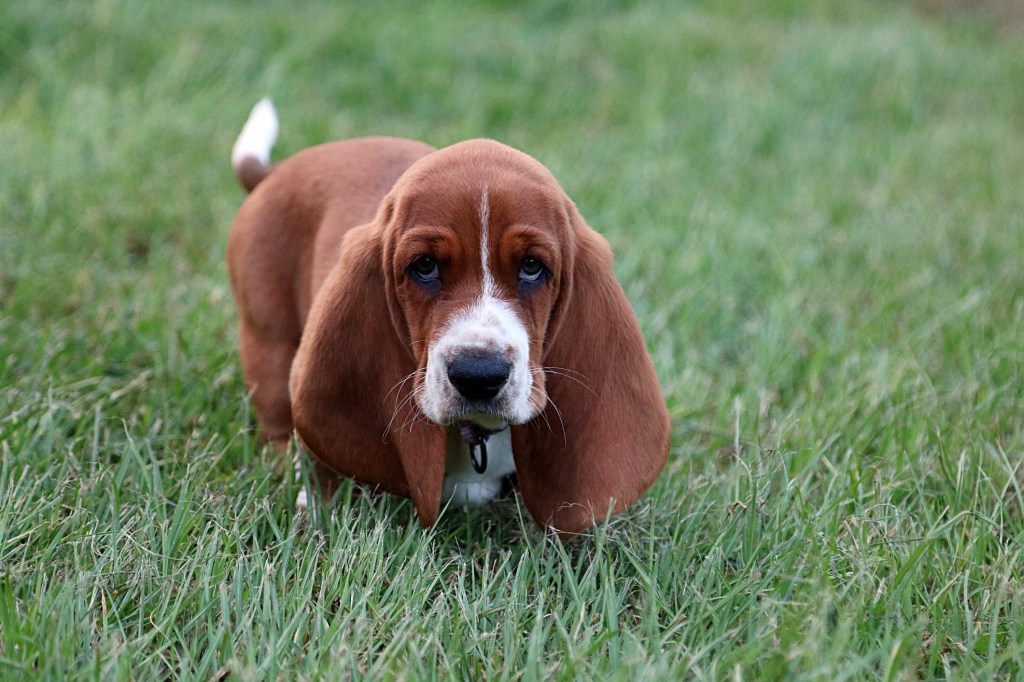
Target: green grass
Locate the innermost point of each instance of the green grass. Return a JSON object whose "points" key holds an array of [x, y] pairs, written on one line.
{"points": [[818, 214]]}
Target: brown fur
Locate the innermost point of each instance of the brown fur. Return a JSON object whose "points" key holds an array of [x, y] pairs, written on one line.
{"points": [[318, 256]]}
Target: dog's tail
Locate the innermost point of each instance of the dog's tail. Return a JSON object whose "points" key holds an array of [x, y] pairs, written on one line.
{"points": [[250, 157]]}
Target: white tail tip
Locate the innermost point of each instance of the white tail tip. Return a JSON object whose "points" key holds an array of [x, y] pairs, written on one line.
{"points": [[258, 134]]}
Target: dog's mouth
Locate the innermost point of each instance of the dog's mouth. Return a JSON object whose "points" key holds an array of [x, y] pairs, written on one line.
{"points": [[486, 415]]}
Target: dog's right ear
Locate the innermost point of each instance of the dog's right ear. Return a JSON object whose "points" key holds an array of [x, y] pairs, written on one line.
{"points": [[351, 386]]}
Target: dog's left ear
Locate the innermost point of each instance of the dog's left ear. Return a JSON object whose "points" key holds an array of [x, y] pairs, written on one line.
{"points": [[604, 435], [351, 384]]}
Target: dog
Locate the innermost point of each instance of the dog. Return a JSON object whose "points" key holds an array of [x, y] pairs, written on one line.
{"points": [[434, 322]]}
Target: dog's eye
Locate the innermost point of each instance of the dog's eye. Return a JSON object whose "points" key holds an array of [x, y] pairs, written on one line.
{"points": [[425, 269], [531, 270]]}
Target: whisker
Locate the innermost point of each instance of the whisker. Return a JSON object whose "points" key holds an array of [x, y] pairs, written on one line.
{"points": [[401, 382], [415, 415], [565, 437], [536, 392], [400, 405], [548, 400], [547, 422], [567, 374], [564, 370]]}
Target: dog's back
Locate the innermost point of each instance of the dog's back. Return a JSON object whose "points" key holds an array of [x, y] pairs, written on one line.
{"points": [[286, 238]]}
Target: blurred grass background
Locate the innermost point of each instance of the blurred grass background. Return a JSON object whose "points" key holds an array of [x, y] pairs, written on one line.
{"points": [[816, 209]]}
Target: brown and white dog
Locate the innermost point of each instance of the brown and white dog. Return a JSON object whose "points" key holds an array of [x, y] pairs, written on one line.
{"points": [[432, 321]]}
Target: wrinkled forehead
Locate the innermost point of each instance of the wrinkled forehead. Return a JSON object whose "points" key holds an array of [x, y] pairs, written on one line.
{"points": [[482, 204], [464, 185]]}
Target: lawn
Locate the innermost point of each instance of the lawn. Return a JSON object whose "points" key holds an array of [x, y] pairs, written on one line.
{"points": [[818, 214]]}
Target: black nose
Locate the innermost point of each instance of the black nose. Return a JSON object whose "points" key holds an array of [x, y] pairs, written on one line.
{"points": [[478, 376]]}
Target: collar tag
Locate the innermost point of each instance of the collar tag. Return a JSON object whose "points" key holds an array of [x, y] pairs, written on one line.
{"points": [[475, 437]]}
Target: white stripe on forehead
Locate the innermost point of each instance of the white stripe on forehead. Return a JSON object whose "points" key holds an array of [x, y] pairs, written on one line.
{"points": [[485, 219]]}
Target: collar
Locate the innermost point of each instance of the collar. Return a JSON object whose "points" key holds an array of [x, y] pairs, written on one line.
{"points": [[475, 436]]}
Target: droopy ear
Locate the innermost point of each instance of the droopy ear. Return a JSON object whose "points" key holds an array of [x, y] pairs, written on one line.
{"points": [[604, 435], [351, 384]]}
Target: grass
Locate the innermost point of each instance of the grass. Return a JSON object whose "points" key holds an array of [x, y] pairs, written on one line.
{"points": [[818, 216]]}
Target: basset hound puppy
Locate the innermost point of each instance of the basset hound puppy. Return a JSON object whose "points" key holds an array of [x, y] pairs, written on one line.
{"points": [[431, 322]]}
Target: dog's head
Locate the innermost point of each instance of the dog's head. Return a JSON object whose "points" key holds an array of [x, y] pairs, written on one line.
{"points": [[479, 295], [478, 246]]}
